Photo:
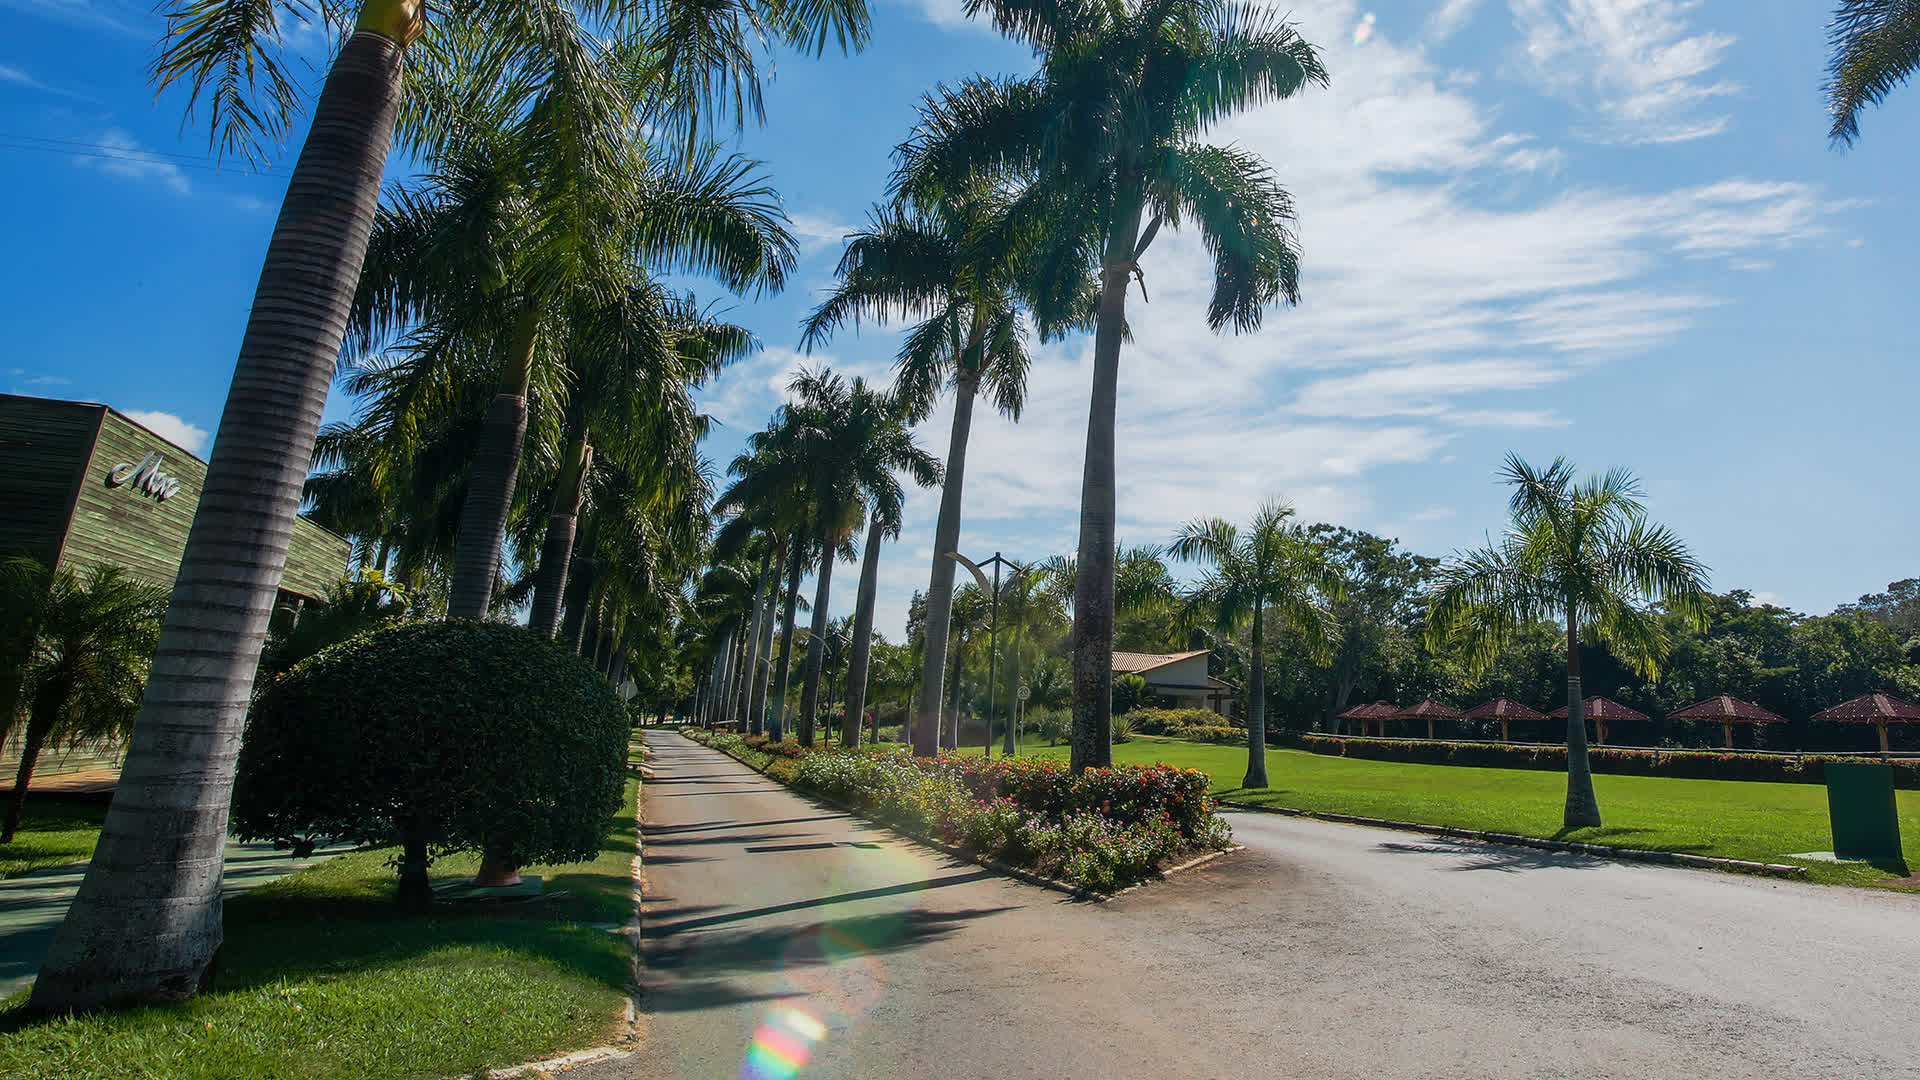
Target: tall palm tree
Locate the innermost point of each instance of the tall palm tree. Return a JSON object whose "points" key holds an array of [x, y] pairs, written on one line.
{"points": [[1876, 46], [90, 637], [146, 920], [1104, 145], [852, 440], [1275, 567], [1579, 551], [947, 265]]}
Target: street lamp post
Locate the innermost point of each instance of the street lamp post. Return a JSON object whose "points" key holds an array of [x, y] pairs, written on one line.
{"points": [[993, 633]]}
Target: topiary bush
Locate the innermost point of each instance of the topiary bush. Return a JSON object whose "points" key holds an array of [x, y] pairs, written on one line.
{"points": [[438, 737]]}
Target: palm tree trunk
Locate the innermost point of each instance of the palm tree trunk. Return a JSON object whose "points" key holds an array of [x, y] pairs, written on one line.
{"points": [[46, 709], [946, 537], [496, 470], [782, 670], [816, 645], [750, 674], [862, 653], [557, 551], [146, 921], [763, 649], [1256, 709], [1583, 809], [956, 671], [1093, 584]]}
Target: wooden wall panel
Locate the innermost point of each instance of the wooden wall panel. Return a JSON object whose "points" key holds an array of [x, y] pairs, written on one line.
{"points": [[43, 448]]}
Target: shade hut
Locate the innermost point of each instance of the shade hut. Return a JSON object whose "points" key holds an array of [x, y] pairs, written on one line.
{"points": [[1602, 710], [1366, 714], [1728, 710], [1429, 710], [1505, 710], [1877, 708]]}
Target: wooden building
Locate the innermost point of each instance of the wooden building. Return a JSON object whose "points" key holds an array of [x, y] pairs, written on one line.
{"points": [[81, 485]]}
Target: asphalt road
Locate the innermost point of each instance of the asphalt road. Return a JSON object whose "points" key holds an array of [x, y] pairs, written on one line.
{"points": [[776, 930]]}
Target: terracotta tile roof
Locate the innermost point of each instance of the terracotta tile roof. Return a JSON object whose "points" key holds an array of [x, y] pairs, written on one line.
{"points": [[1504, 709], [1870, 707], [1603, 708], [1139, 663], [1372, 711], [1726, 707], [1429, 708]]}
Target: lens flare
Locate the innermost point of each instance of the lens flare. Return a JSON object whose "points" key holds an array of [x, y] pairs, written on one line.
{"points": [[782, 1045], [1364, 29]]}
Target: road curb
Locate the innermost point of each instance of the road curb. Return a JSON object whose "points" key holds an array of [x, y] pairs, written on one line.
{"points": [[1019, 873], [1603, 851]]}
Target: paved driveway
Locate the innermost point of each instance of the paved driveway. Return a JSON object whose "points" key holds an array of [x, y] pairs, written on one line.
{"points": [[1323, 950]]}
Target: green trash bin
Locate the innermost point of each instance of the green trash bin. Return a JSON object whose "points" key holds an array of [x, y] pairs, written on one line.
{"points": [[1866, 819]]}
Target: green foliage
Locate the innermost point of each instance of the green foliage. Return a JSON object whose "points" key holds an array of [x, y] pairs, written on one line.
{"points": [[1122, 729], [1051, 723], [1620, 761], [351, 609], [1216, 734], [1173, 721], [1129, 690], [455, 735]]}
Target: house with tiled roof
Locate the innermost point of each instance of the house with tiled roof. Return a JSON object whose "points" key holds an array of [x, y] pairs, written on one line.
{"points": [[1181, 677]]}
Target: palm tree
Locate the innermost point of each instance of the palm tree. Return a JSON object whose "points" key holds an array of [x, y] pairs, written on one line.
{"points": [[1103, 147], [946, 265], [1876, 46], [90, 637], [1582, 551], [160, 850], [1274, 568]]}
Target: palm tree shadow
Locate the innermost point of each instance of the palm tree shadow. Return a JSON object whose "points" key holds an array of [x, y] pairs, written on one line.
{"points": [[1607, 834], [1499, 857]]}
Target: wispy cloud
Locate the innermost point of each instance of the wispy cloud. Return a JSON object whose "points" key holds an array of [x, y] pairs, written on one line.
{"points": [[91, 14], [170, 427], [122, 155], [817, 233], [1637, 63], [49, 380]]}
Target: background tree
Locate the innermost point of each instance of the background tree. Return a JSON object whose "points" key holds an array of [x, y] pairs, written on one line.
{"points": [[1103, 148], [91, 637], [1582, 550], [1875, 47], [1274, 568]]}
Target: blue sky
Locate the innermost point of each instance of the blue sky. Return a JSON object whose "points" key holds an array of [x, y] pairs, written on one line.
{"points": [[1610, 229]]}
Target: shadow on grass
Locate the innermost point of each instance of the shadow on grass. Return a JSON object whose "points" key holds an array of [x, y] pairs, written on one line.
{"points": [[1608, 834]]}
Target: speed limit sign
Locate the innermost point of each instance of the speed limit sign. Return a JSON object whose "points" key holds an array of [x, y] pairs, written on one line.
{"points": [[1024, 693]]}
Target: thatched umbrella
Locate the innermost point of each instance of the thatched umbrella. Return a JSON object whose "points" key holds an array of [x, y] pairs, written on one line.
{"points": [[1505, 710], [1378, 710], [1878, 708], [1429, 710], [1728, 710], [1600, 710]]}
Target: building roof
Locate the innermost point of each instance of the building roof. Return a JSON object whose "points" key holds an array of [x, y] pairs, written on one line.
{"points": [[1727, 709], [1428, 709], [1504, 709], [1373, 711], [1139, 663], [1874, 706], [1602, 708]]}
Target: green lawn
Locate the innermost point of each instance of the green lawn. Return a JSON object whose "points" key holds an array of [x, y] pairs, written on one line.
{"points": [[53, 832], [322, 977], [1722, 818]]}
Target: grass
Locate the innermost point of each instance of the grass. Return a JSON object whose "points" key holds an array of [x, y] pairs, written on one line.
{"points": [[54, 831], [321, 976], [1721, 818]]}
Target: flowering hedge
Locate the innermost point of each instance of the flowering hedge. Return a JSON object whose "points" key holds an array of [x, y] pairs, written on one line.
{"points": [[1681, 764], [1102, 830]]}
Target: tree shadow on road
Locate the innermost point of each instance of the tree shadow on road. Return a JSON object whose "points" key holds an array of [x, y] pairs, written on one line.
{"points": [[1511, 860]]}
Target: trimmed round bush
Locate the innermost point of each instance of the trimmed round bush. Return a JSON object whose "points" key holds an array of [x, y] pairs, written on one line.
{"points": [[438, 737]]}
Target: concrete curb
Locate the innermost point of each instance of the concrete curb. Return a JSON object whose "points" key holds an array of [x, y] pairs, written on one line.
{"points": [[963, 855], [1603, 851]]}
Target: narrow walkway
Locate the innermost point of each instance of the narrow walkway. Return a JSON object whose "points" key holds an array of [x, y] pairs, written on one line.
{"points": [[777, 930], [32, 905]]}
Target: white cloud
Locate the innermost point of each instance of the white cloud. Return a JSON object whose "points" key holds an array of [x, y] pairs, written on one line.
{"points": [[170, 427], [1450, 17], [15, 75], [1637, 63], [49, 380], [948, 14], [816, 233], [122, 155]]}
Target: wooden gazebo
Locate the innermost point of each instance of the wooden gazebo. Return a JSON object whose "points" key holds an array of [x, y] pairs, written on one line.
{"points": [[1601, 710], [1728, 711], [1378, 710], [1429, 710], [1878, 709], [1505, 710]]}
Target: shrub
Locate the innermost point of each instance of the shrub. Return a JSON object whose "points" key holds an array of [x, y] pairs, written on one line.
{"points": [[439, 737], [1053, 725], [1129, 691], [1679, 764], [1173, 721], [1122, 729], [1209, 733]]}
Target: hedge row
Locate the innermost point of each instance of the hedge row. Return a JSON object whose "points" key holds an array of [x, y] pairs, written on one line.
{"points": [[1683, 764], [1102, 829]]}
